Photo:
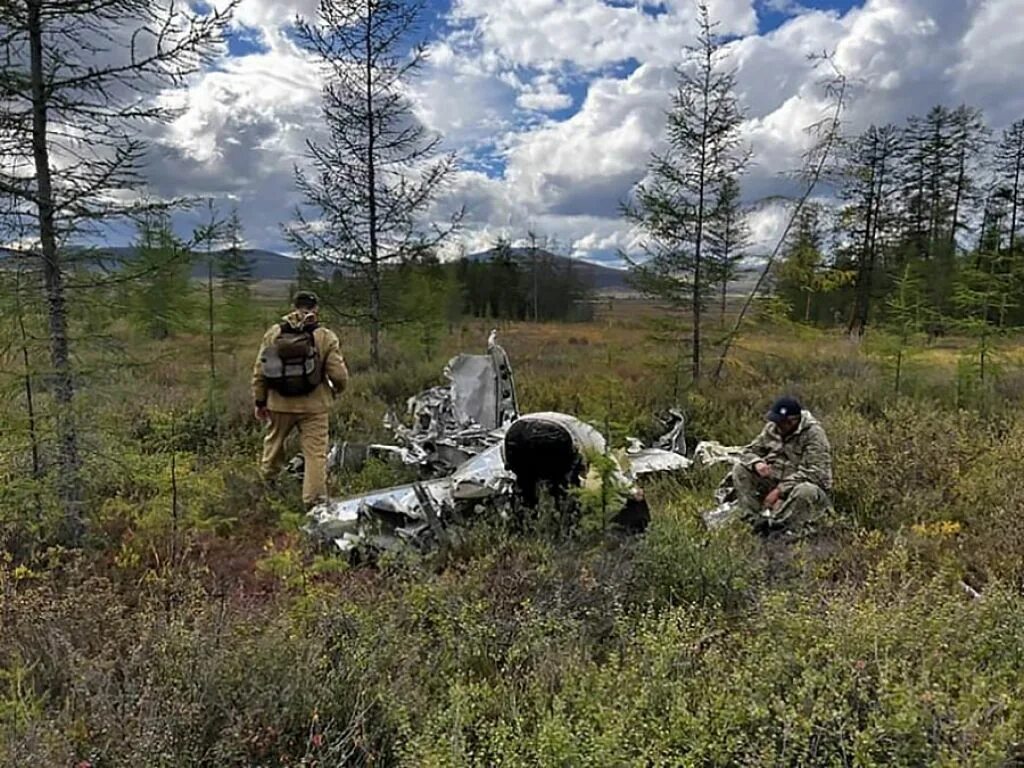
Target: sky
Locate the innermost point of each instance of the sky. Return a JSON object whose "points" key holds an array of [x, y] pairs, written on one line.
{"points": [[555, 106]]}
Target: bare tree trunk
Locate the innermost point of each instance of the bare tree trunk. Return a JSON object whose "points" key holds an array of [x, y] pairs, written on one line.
{"points": [[175, 509], [69, 485], [984, 350], [1015, 202], [30, 400], [375, 319], [725, 294], [824, 150], [866, 269], [899, 366], [536, 309], [371, 183], [957, 199], [30, 405], [699, 240], [210, 318], [936, 181]]}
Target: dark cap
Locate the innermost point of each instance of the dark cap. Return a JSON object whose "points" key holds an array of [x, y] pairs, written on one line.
{"points": [[306, 300], [784, 408]]}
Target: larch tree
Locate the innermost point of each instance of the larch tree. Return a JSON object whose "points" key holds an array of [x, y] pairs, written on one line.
{"points": [[228, 277], [207, 235], [970, 142], [940, 170], [672, 208], [372, 180], [798, 273], [907, 314], [817, 159], [162, 298], [728, 236], [1009, 170], [79, 79], [869, 187], [235, 270], [928, 173]]}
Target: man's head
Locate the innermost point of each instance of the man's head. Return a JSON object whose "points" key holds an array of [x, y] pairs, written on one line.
{"points": [[785, 414], [306, 301]]}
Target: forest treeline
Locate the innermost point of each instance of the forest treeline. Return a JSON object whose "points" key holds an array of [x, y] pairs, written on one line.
{"points": [[925, 232]]}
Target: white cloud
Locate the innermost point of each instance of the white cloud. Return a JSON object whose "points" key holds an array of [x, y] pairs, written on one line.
{"points": [[607, 142], [270, 16], [990, 58], [543, 95], [463, 99], [496, 77], [590, 34], [242, 128], [788, 7]]}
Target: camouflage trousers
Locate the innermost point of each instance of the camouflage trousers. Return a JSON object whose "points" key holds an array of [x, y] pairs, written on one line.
{"points": [[803, 506]]}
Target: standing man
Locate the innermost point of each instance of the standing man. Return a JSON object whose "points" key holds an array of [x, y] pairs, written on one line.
{"points": [[784, 477], [298, 372]]}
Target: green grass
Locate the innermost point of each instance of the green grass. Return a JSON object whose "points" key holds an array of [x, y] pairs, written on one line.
{"points": [[199, 627]]}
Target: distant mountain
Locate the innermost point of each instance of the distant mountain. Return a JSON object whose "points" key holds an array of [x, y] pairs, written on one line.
{"points": [[598, 277], [268, 265]]}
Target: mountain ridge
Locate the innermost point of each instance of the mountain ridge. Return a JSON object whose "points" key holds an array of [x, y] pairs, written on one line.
{"points": [[274, 266]]}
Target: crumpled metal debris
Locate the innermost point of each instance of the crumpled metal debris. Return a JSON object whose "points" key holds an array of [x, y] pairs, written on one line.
{"points": [[460, 418], [450, 423], [668, 454], [709, 454], [456, 439]]}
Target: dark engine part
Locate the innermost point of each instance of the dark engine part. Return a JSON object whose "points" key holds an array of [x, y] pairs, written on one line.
{"points": [[541, 454]]}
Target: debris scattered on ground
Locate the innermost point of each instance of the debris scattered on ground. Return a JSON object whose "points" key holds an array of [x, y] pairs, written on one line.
{"points": [[457, 437]]}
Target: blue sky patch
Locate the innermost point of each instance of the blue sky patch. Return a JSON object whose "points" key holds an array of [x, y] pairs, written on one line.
{"points": [[772, 14]]}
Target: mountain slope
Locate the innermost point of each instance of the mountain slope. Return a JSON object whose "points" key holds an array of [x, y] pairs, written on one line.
{"points": [[599, 277], [268, 265]]}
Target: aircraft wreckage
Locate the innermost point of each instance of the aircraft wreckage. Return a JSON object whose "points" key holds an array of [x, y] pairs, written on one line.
{"points": [[477, 455]]}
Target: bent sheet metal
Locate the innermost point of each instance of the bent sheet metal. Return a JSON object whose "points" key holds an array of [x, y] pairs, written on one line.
{"points": [[455, 438]]}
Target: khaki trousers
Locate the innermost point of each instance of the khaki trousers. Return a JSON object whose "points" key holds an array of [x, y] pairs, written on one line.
{"points": [[313, 441]]}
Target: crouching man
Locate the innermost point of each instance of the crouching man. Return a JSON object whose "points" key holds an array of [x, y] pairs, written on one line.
{"points": [[784, 477], [298, 372]]}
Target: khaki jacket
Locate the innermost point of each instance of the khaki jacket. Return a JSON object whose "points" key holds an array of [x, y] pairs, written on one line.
{"points": [[803, 457], [333, 366]]}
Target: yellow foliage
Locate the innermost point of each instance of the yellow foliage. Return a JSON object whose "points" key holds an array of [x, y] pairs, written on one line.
{"points": [[941, 529]]}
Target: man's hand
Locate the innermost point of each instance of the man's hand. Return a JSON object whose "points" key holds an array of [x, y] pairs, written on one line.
{"points": [[262, 413], [773, 499], [763, 469]]}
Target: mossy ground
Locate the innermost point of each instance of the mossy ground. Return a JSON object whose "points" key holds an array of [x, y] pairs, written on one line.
{"points": [[199, 627]]}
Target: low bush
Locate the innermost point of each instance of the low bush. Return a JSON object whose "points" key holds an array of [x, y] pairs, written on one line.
{"points": [[199, 627]]}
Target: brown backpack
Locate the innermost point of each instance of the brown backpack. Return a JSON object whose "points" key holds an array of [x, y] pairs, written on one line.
{"points": [[291, 364]]}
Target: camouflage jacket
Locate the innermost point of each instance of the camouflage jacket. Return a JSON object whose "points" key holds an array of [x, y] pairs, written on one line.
{"points": [[805, 456]]}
